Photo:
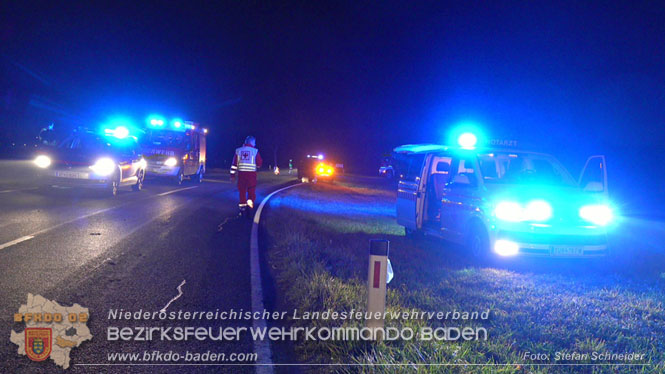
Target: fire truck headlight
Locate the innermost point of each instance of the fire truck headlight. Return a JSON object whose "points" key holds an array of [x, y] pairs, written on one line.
{"points": [[171, 161], [42, 161], [104, 166], [509, 211], [599, 214]]}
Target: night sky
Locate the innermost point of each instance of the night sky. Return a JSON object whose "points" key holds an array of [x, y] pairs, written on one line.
{"points": [[355, 79]]}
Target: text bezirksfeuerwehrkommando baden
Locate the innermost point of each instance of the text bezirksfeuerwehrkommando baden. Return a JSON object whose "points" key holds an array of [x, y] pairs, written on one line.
{"points": [[232, 314]]}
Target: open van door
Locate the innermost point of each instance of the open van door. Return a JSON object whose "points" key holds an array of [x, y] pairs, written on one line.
{"points": [[411, 193], [593, 177]]}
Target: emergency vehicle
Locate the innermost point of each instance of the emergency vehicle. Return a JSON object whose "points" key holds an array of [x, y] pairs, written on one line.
{"points": [[109, 159], [315, 168], [175, 150], [502, 202]]}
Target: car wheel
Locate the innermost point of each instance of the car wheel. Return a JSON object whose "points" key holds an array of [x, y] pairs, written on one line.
{"points": [[139, 183], [478, 242], [180, 178]]}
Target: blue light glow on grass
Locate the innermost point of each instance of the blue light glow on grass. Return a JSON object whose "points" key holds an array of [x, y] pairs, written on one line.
{"points": [[336, 205]]}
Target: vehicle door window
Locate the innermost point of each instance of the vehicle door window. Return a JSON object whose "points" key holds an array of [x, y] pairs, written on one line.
{"points": [[440, 174], [465, 174], [415, 168], [593, 175], [195, 142]]}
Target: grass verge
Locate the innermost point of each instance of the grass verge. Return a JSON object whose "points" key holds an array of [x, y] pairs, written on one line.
{"points": [[318, 250]]}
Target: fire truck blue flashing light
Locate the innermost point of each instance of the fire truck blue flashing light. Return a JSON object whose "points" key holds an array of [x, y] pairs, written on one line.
{"points": [[155, 120]]}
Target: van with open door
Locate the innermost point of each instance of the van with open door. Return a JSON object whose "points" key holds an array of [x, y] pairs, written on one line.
{"points": [[504, 202]]}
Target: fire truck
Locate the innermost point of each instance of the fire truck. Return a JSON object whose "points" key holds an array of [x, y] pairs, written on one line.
{"points": [[175, 150]]}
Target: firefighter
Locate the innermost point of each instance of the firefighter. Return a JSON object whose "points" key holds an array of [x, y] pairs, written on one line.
{"points": [[245, 163]]}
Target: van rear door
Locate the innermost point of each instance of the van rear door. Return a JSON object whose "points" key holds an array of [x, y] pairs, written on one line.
{"points": [[411, 192]]}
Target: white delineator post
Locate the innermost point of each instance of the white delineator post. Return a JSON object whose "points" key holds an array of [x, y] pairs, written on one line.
{"points": [[376, 283]]}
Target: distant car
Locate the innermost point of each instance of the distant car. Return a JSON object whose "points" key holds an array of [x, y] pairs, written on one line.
{"points": [[108, 161], [387, 170], [315, 168]]}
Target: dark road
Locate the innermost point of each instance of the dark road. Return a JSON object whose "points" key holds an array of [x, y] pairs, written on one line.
{"points": [[129, 252]]}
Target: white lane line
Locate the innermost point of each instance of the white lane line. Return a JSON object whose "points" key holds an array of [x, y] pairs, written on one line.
{"points": [[16, 241], [19, 189], [174, 191], [176, 296], [216, 181], [261, 347], [42, 231]]}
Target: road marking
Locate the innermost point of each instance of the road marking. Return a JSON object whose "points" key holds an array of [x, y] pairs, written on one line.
{"points": [[174, 191], [42, 231], [261, 347], [19, 189], [16, 241], [215, 181], [176, 296]]}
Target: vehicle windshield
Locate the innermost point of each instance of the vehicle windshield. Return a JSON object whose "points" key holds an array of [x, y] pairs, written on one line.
{"points": [[85, 141], [164, 138], [524, 168]]}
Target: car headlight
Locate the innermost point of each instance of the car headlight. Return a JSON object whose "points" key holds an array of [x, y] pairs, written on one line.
{"points": [[42, 161], [508, 211], [171, 161], [104, 166], [598, 214], [536, 210]]}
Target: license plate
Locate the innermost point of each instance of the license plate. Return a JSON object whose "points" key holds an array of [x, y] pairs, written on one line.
{"points": [[566, 251], [71, 174]]}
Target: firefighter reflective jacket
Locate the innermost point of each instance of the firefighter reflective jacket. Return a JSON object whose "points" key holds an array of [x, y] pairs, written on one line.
{"points": [[247, 158]]}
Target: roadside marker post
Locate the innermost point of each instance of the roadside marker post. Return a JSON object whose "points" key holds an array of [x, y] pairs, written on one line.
{"points": [[376, 284]]}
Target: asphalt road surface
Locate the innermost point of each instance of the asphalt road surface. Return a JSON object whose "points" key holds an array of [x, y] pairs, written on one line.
{"points": [[127, 252]]}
